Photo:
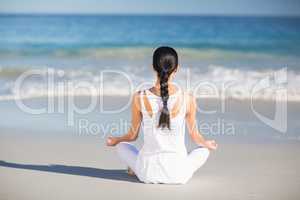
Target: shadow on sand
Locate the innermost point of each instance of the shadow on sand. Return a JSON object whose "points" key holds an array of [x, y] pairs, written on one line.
{"points": [[110, 174]]}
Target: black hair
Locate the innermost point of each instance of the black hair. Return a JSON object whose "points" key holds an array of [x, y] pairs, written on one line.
{"points": [[165, 62]]}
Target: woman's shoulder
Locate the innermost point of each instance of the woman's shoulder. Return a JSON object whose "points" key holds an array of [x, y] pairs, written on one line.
{"points": [[188, 94], [136, 94], [136, 102], [190, 100]]}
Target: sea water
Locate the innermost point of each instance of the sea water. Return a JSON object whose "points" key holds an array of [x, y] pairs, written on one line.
{"points": [[228, 52], [220, 57]]}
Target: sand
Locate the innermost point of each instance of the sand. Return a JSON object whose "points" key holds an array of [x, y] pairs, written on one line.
{"points": [[40, 158], [34, 167]]}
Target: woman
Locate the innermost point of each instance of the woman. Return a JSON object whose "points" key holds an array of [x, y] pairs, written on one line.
{"points": [[163, 110]]}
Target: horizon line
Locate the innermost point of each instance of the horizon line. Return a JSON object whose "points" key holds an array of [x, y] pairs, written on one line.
{"points": [[146, 14]]}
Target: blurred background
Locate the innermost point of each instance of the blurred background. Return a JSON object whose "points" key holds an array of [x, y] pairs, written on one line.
{"points": [[231, 44]]}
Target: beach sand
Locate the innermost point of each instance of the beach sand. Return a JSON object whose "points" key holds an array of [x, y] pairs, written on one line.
{"points": [[73, 168], [54, 163]]}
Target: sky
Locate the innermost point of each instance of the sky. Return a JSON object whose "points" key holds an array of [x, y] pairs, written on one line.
{"points": [[180, 7]]}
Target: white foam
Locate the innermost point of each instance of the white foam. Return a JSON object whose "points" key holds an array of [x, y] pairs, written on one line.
{"points": [[226, 83]]}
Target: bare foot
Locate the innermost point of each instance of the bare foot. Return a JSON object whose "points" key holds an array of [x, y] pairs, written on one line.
{"points": [[130, 172]]}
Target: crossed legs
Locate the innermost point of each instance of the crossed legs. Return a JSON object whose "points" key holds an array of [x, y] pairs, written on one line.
{"points": [[128, 154]]}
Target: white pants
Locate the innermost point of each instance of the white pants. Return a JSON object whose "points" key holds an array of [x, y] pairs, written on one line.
{"points": [[128, 154]]}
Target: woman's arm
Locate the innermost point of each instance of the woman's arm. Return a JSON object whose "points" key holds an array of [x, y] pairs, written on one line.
{"points": [[135, 124], [192, 125]]}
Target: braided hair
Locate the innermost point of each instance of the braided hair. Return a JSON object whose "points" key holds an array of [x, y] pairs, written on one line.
{"points": [[165, 62]]}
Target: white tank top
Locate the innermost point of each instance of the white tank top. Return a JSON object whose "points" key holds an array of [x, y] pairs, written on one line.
{"points": [[162, 157]]}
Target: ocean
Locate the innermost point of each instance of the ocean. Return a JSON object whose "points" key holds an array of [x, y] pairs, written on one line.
{"points": [[221, 50]]}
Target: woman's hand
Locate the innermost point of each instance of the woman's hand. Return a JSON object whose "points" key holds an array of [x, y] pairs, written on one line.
{"points": [[111, 141], [211, 144]]}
